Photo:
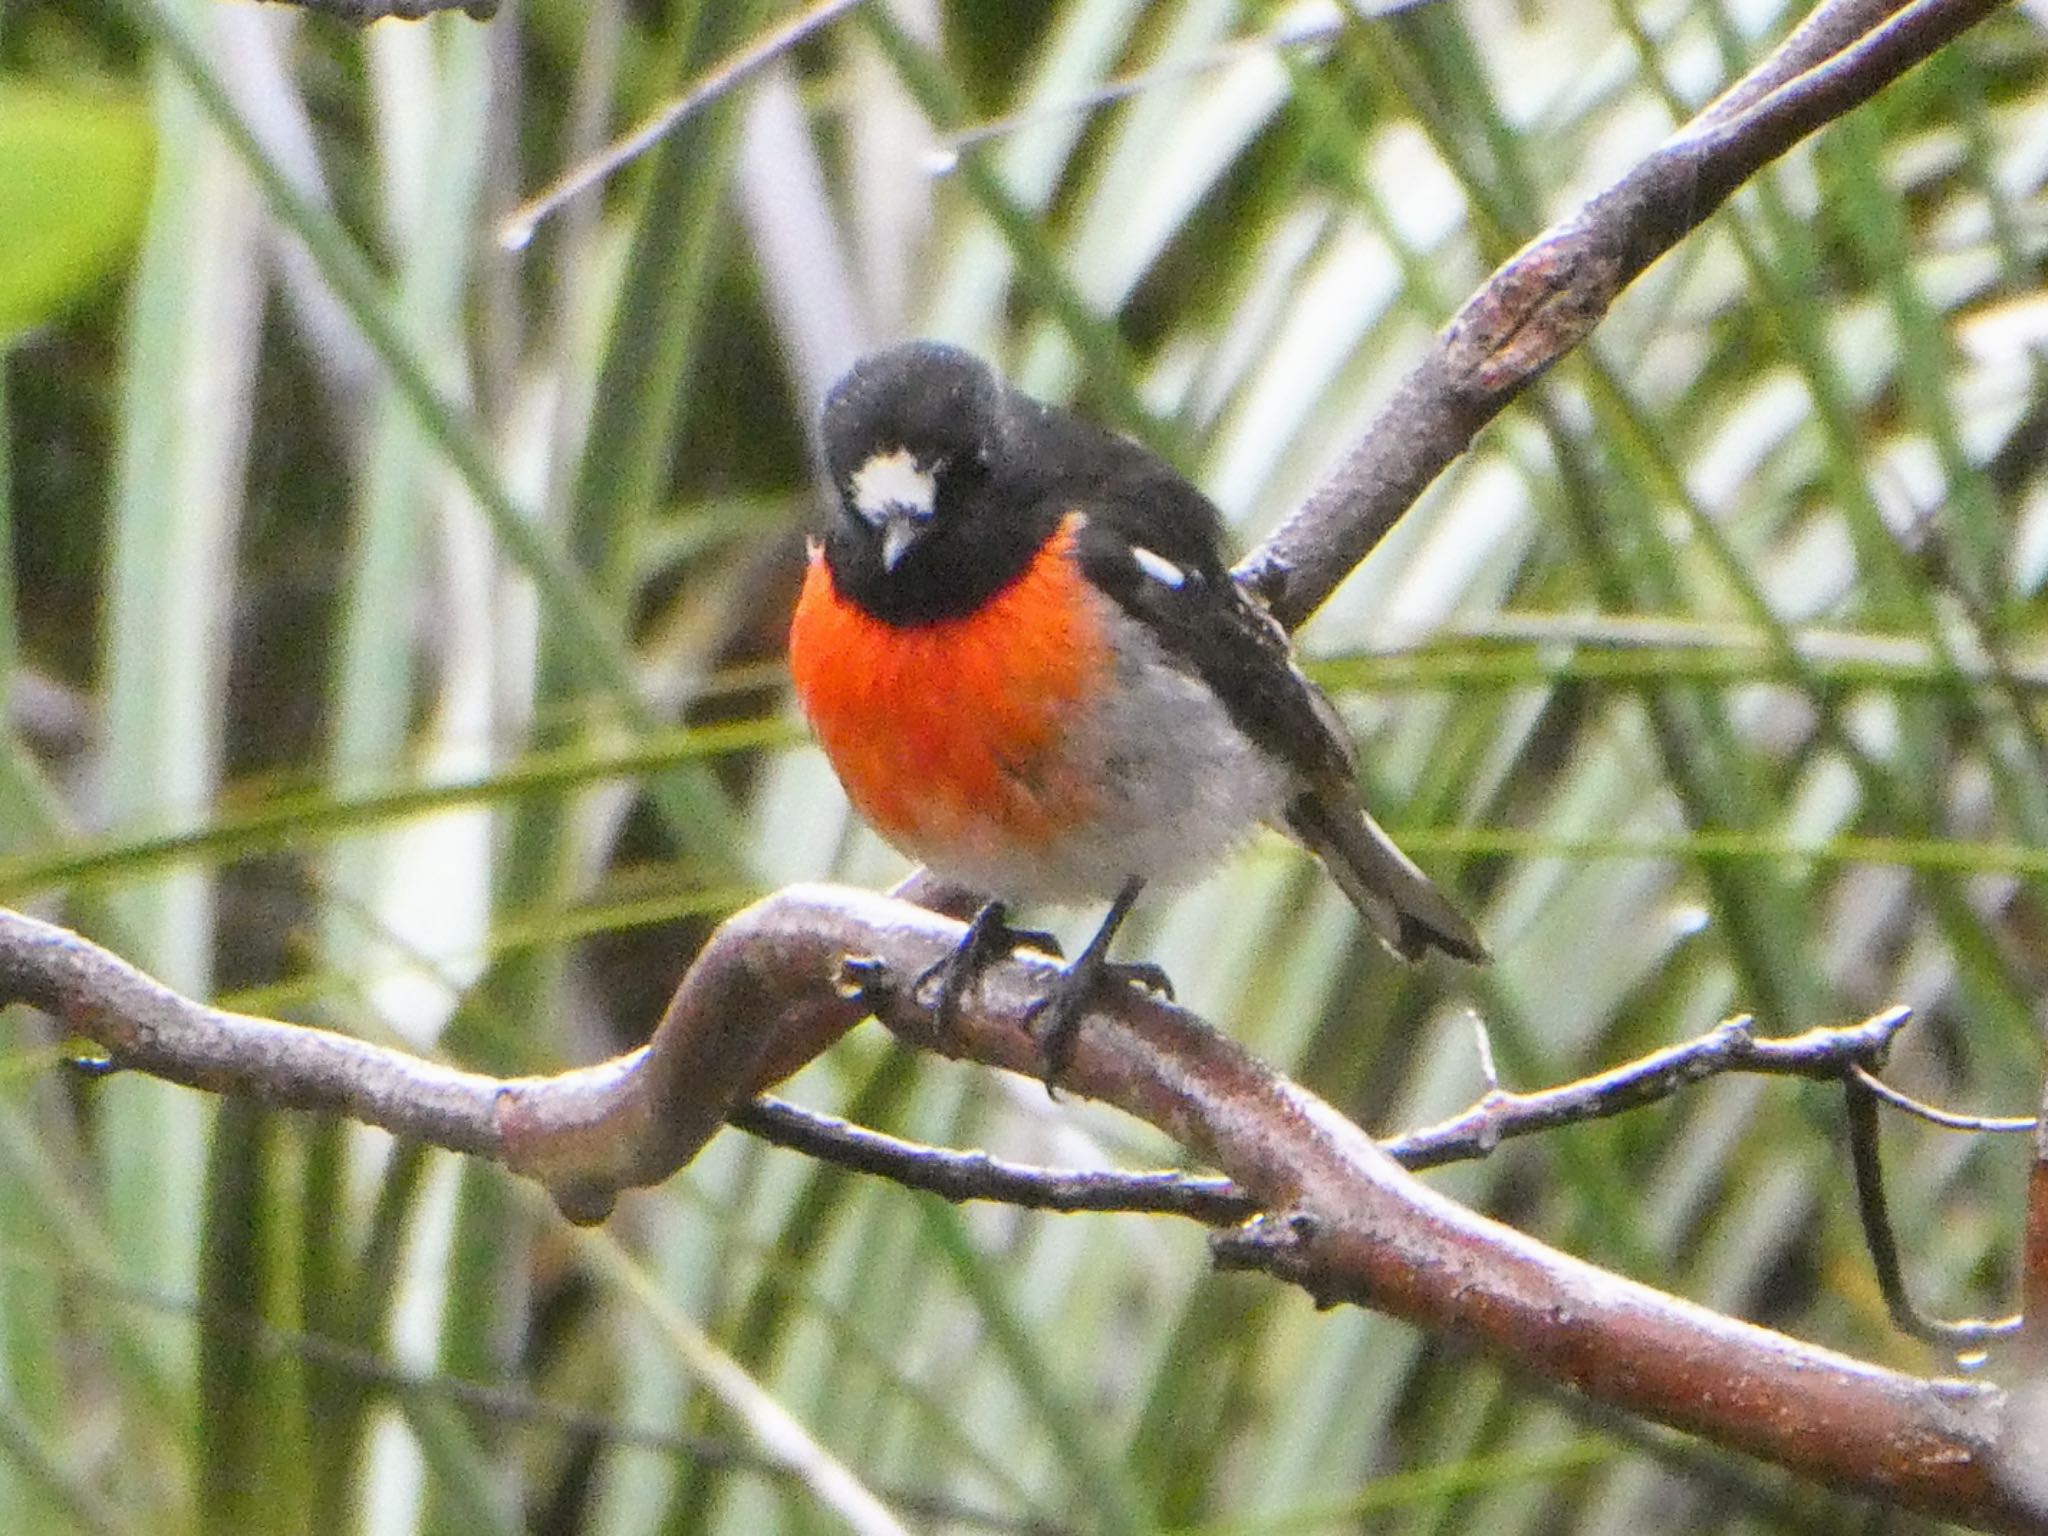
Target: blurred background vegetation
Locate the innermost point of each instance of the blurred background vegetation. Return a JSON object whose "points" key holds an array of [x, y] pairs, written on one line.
{"points": [[393, 643]]}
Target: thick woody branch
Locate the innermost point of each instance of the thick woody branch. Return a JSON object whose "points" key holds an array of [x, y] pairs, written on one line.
{"points": [[1342, 1218], [1348, 1224], [2034, 1254], [2023, 1446], [752, 1009], [1551, 295]]}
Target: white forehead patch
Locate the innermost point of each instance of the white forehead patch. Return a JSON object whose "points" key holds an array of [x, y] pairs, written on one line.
{"points": [[1158, 567], [893, 480]]}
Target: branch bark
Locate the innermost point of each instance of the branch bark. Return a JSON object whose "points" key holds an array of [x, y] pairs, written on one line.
{"points": [[1339, 1216]]}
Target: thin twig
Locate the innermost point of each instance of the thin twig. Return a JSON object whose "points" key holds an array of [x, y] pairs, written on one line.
{"points": [[1732, 1046], [361, 13], [1947, 1119], [1496, 1117], [962, 1176], [1962, 1334], [517, 230]]}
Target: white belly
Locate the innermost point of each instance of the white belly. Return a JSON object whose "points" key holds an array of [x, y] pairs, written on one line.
{"points": [[1180, 787]]}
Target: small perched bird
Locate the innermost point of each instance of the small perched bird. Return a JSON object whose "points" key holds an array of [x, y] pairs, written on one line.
{"points": [[1020, 647]]}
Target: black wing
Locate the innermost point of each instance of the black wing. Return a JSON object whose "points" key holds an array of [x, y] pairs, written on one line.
{"points": [[1206, 621], [1153, 543]]}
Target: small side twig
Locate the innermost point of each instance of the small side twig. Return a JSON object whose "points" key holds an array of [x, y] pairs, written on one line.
{"points": [[1961, 1334], [963, 1176], [1497, 1116], [1731, 1046], [360, 13], [1947, 1119]]}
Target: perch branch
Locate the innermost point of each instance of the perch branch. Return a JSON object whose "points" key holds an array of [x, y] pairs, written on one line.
{"points": [[583, 1134], [1343, 1220]]}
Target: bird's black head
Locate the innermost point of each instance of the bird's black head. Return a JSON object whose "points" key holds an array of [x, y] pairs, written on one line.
{"points": [[931, 518]]}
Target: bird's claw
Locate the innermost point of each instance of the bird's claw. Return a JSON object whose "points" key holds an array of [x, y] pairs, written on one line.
{"points": [[989, 938], [1036, 938], [1055, 1019]]}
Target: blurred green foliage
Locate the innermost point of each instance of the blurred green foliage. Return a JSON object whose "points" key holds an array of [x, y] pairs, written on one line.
{"points": [[74, 180]]}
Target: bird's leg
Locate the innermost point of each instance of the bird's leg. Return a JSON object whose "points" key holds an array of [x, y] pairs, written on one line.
{"points": [[1056, 1017], [989, 938]]}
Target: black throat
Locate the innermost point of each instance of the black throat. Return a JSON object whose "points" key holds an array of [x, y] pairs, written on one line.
{"points": [[958, 564]]}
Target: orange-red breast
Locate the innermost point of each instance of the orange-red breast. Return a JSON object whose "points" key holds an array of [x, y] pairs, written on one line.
{"points": [[1020, 647]]}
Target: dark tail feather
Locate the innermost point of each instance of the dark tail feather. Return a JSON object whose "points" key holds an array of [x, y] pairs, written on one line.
{"points": [[1409, 914]]}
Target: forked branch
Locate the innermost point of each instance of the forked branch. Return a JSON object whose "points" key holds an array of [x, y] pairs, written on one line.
{"points": [[1338, 1215]]}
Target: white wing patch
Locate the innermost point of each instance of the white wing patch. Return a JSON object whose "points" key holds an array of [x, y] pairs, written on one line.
{"points": [[1158, 567], [893, 482]]}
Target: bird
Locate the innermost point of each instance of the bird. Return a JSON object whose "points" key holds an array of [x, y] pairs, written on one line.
{"points": [[1023, 653]]}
